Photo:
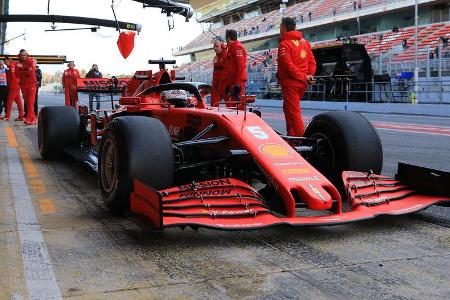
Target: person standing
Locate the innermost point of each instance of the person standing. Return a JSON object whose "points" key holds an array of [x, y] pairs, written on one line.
{"points": [[218, 81], [3, 89], [94, 73], [38, 85], [296, 68], [13, 90], [235, 66], [69, 82], [26, 73]]}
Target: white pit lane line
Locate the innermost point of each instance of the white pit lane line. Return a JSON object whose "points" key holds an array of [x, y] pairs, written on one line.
{"points": [[39, 276]]}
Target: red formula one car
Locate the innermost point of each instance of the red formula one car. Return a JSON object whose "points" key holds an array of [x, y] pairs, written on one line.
{"points": [[163, 153]]}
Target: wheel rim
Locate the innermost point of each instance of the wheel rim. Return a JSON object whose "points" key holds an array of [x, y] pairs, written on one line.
{"points": [[326, 153], [109, 166]]}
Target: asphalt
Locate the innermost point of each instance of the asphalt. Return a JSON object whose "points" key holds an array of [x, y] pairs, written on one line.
{"points": [[57, 239]]}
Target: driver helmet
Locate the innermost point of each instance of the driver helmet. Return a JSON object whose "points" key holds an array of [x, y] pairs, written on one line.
{"points": [[175, 97]]}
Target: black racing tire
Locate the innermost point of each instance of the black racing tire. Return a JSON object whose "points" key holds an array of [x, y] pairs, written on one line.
{"points": [[349, 142], [59, 127], [133, 147]]}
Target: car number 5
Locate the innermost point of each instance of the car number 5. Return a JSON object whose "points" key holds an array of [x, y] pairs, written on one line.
{"points": [[258, 132]]}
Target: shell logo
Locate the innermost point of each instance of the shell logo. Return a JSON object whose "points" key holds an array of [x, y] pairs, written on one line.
{"points": [[275, 150], [303, 53]]}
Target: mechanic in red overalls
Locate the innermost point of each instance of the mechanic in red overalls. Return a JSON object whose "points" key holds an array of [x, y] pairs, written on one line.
{"points": [[218, 81], [296, 68], [13, 90], [69, 81], [26, 73], [235, 65]]}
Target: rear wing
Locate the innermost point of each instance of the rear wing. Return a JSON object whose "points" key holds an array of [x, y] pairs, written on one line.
{"points": [[102, 85]]}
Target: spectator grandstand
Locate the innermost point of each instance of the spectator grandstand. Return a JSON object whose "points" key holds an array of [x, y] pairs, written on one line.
{"points": [[320, 9], [428, 35]]}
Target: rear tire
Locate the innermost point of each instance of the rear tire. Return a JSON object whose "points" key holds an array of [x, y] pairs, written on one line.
{"points": [[133, 147], [349, 143], [59, 127]]}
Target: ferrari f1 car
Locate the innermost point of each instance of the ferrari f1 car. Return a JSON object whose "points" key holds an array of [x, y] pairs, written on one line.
{"points": [[164, 154]]}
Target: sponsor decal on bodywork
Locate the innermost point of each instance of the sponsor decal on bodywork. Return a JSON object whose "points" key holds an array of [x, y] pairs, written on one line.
{"points": [[100, 84], [216, 192], [275, 150], [375, 201], [288, 164], [316, 191], [293, 171], [206, 184], [257, 224], [232, 212], [304, 178]]}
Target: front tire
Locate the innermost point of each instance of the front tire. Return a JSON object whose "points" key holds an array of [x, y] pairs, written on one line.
{"points": [[133, 147], [349, 142], [59, 127]]}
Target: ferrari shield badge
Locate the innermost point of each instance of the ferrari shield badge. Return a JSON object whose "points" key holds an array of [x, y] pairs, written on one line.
{"points": [[303, 53], [126, 43]]}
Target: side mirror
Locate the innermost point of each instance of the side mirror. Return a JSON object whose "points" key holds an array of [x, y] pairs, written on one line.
{"points": [[129, 101], [249, 98]]}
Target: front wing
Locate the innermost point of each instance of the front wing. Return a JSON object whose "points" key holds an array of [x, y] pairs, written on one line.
{"points": [[230, 204]]}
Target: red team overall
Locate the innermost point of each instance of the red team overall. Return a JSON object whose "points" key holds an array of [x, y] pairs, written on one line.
{"points": [[13, 90], [69, 81], [218, 82], [235, 64], [26, 73], [296, 68]]}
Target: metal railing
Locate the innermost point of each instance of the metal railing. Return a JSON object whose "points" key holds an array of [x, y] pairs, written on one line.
{"points": [[433, 61], [433, 85], [395, 91]]}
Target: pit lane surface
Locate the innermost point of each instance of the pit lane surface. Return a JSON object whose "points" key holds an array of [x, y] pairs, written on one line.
{"points": [[94, 254]]}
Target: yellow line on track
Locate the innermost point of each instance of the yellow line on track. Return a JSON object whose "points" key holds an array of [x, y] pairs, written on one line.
{"points": [[30, 169], [11, 137], [37, 186], [46, 205]]}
